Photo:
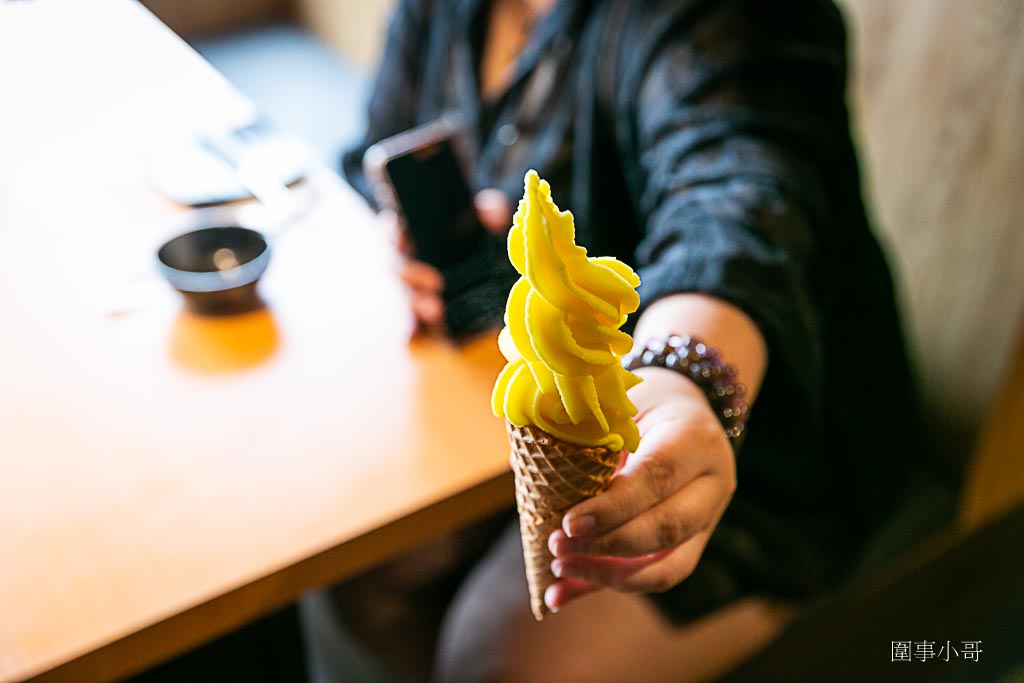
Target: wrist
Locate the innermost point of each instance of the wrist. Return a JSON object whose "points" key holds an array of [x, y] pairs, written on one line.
{"points": [[665, 382], [706, 373]]}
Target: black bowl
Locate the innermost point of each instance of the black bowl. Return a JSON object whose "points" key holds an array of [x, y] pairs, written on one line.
{"points": [[216, 269]]}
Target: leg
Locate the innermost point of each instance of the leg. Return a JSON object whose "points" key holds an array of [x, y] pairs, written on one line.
{"points": [[490, 635], [387, 619]]}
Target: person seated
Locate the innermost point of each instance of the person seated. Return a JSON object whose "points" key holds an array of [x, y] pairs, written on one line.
{"points": [[705, 143]]}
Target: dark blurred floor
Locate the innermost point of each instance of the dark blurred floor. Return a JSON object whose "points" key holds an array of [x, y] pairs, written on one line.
{"points": [[269, 649], [969, 588]]}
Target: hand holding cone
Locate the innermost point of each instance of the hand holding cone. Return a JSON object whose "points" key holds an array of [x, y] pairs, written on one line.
{"points": [[563, 391]]}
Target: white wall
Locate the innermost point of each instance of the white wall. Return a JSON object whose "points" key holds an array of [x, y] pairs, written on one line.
{"points": [[939, 95], [354, 27]]}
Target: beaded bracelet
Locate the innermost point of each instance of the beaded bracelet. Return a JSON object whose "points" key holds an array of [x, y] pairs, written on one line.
{"points": [[705, 367]]}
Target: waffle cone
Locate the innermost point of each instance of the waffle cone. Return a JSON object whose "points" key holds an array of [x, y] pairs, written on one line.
{"points": [[551, 475]]}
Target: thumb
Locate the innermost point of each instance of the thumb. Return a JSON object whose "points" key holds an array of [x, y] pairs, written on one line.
{"points": [[494, 210]]}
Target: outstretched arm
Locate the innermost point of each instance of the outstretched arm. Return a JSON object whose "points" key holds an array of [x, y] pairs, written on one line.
{"points": [[647, 532], [731, 114]]}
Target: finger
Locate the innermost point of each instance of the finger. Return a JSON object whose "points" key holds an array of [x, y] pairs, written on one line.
{"points": [[562, 591], [428, 309], [652, 474], [420, 329], [608, 572], [420, 276], [653, 573], [689, 512], [494, 210]]}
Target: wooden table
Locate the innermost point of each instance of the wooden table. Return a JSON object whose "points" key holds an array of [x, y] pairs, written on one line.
{"points": [[165, 478]]}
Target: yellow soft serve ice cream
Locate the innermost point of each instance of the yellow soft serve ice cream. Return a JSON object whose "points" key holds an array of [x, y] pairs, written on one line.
{"points": [[562, 338]]}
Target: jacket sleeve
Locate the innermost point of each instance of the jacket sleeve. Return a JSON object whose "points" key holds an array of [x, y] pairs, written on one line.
{"points": [[728, 119], [394, 91]]}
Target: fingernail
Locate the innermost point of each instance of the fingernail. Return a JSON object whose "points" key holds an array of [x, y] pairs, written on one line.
{"points": [[556, 568], [579, 526], [553, 544], [549, 600]]}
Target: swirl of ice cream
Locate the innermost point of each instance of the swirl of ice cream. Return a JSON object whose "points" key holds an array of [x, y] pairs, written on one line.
{"points": [[561, 337]]}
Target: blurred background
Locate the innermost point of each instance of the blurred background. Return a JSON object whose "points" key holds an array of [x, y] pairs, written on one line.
{"points": [[936, 93], [937, 89]]}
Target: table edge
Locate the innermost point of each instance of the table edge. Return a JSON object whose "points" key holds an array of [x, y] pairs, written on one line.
{"points": [[221, 614]]}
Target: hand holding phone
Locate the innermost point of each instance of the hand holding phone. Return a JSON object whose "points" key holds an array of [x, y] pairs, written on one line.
{"points": [[425, 283], [417, 174]]}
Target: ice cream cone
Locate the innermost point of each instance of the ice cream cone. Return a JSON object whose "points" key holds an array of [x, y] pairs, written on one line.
{"points": [[564, 343], [551, 475]]}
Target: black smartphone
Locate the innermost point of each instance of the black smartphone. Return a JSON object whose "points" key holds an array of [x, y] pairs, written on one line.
{"points": [[417, 174]]}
